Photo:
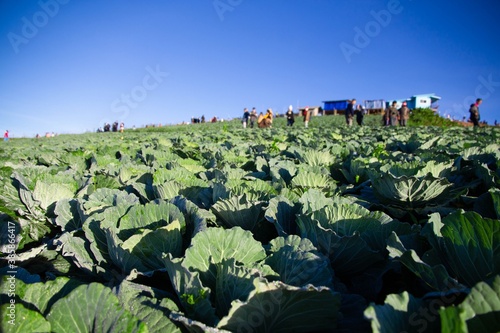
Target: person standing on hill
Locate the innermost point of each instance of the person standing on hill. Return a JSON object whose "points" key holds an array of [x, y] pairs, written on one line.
{"points": [[6, 135], [246, 116], [268, 118], [404, 114], [265, 121], [385, 117], [307, 116], [290, 118], [260, 121], [349, 112], [474, 112], [393, 114], [253, 117], [360, 113]]}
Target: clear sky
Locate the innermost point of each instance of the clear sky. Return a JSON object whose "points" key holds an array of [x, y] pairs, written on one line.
{"points": [[68, 66]]}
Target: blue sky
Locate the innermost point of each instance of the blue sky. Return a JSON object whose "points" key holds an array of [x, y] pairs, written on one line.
{"points": [[68, 66]]}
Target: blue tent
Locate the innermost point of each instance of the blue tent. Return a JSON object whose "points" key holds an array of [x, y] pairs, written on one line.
{"points": [[335, 105]]}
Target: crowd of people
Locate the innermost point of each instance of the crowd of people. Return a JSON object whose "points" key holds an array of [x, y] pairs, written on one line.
{"points": [[263, 120], [202, 120], [47, 135], [266, 120], [112, 128], [392, 116]]}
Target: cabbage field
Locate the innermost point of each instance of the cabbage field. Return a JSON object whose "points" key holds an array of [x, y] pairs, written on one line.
{"points": [[216, 228]]}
